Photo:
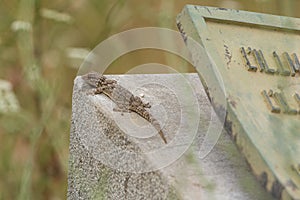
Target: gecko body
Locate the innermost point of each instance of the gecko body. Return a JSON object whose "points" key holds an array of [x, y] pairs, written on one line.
{"points": [[125, 101]]}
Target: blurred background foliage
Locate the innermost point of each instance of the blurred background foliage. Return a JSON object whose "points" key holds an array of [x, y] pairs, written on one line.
{"points": [[42, 44]]}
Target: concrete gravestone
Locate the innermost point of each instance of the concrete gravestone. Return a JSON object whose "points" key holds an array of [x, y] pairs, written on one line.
{"points": [[254, 61], [99, 167]]}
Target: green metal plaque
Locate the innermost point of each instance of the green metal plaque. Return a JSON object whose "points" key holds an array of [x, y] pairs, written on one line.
{"points": [[257, 57]]}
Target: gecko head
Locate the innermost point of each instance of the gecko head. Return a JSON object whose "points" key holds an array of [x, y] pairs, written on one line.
{"points": [[94, 79]]}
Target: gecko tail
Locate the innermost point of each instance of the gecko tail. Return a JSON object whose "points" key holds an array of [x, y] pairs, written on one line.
{"points": [[158, 128], [162, 136]]}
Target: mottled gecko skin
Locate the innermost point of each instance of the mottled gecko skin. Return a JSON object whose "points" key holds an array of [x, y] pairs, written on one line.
{"points": [[124, 99]]}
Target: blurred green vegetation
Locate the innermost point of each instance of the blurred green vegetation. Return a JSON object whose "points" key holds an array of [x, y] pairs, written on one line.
{"points": [[36, 38]]}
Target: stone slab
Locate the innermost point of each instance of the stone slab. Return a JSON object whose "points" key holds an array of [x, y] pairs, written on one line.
{"points": [[249, 64]]}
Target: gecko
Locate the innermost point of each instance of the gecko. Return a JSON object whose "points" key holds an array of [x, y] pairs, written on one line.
{"points": [[125, 101]]}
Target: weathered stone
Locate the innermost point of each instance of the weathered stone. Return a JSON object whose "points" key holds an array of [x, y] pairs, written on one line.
{"points": [[223, 174]]}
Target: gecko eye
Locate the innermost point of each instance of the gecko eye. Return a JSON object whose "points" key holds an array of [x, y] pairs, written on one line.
{"points": [[137, 99]]}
